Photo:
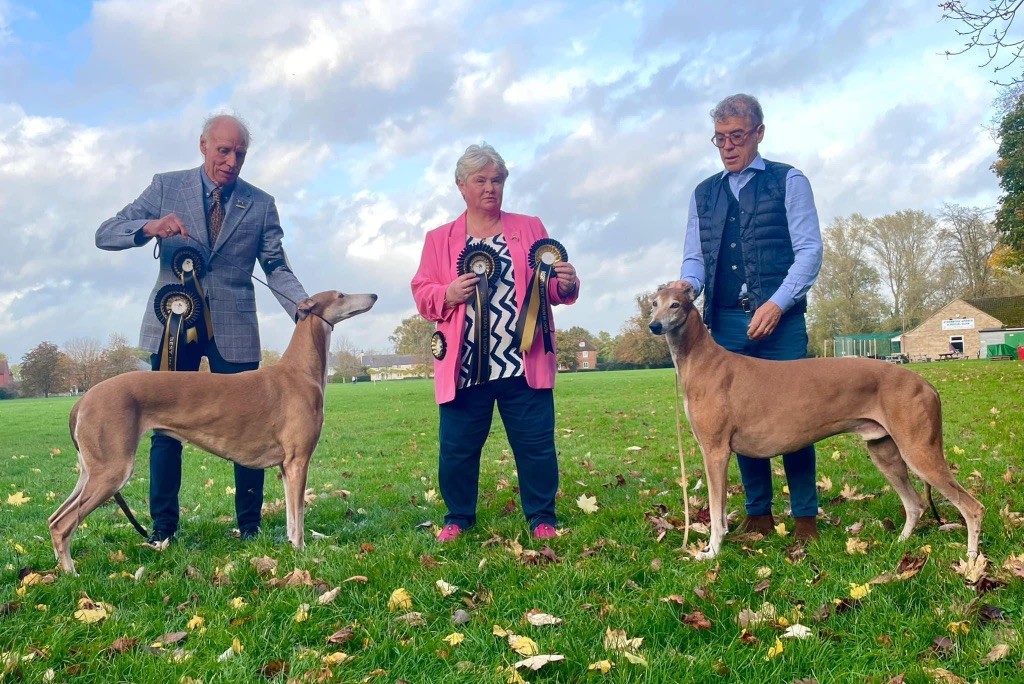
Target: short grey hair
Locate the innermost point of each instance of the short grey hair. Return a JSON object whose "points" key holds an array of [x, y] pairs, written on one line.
{"points": [[477, 157], [740, 106], [215, 119]]}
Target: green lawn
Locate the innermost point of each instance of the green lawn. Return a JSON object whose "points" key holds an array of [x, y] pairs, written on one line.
{"points": [[373, 484]]}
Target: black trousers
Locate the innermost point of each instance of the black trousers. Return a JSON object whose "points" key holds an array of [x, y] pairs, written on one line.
{"points": [[165, 453], [529, 418]]}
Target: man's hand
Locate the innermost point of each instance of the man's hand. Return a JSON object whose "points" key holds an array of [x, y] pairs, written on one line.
{"points": [[765, 319], [164, 228]]}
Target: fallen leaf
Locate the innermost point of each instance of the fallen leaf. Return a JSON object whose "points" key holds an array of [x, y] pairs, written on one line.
{"points": [[587, 504], [195, 623], [328, 596], [944, 676], [302, 614], [460, 617], [972, 569], [238, 603], [859, 591], [400, 600], [602, 666], [775, 650], [18, 498], [538, 661], [635, 658], [336, 658], [122, 645], [275, 668], [445, 588], [797, 631], [696, 620], [538, 619], [454, 639], [616, 640], [342, 636], [236, 648], [855, 546], [524, 646], [264, 565], [998, 652], [362, 579], [413, 619]]}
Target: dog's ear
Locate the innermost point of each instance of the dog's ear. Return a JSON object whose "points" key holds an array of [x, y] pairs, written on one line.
{"points": [[689, 294], [304, 308]]}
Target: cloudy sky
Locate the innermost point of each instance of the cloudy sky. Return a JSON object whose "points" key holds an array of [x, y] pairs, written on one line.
{"points": [[359, 111]]}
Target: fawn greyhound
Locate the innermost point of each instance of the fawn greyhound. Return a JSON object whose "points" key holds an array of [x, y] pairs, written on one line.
{"points": [[261, 418], [765, 408]]}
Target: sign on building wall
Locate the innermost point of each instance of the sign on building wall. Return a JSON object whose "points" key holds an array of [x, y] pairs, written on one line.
{"points": [[958, 324]]}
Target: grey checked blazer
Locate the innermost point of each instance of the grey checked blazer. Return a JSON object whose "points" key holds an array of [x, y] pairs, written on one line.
{"points": [[251, 232]]}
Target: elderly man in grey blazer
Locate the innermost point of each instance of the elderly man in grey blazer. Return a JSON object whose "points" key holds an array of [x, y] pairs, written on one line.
{"points": [[232, 225]]}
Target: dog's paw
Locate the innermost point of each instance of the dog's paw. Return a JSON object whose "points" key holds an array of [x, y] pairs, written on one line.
{"points": [[706, 554]]}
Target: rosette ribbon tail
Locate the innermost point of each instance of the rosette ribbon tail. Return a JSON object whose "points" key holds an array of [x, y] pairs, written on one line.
{"points": [[173, 328], [536, 308], [482, 331]]}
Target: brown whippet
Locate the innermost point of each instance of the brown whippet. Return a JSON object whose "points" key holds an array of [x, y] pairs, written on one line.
{"points": [[765, 408], [262, 418]]}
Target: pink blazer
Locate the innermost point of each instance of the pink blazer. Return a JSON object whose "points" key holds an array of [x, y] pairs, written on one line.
{"points": [[438, 269]]}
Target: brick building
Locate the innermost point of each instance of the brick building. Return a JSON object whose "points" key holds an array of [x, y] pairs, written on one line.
{"points": [[586, 355], [6, 377], [958, 326]]}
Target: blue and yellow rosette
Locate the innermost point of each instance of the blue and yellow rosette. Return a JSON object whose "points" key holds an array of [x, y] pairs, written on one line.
{"points": [[178, 308], [482, 261], [544, 254]]}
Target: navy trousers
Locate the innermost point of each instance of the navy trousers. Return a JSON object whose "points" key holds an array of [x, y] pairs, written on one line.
{"points": [[165, 454], [529, 418], [787, 342]]}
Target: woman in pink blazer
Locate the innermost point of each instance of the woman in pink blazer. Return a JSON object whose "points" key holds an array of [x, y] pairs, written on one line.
{"points": [[475, 275]]}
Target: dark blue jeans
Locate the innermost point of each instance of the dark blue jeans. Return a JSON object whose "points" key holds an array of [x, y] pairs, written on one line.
{"points": [[529, 418], [165, 455], [787, 342]]}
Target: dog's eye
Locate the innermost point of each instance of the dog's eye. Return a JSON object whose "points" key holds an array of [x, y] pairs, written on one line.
{"points": [[674, 305]]}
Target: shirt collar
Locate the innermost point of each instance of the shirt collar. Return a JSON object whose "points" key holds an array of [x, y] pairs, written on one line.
{"points": [[756, 165]]}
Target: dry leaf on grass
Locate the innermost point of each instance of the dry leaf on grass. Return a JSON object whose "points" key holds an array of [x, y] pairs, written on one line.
{"points": [[539, 619], [944, 676], [587, 504], [775, 650], [264, 566], [524, 646], [400, 600], [972, 569], [855, 546], [602, 666], [236, 648], [302, 614], [18, 498], [342, 636], [797, 631], [538, 661], [445, 588], [998, 652], [635, 658], [328, 596], [454, 639], [616, 640]]}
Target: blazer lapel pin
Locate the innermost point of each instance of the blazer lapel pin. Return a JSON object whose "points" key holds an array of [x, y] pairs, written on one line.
{"points": [[240, 204]]}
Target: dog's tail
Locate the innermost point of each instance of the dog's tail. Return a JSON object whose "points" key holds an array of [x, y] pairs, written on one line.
{"points": [[931, 502], [131, 516]]}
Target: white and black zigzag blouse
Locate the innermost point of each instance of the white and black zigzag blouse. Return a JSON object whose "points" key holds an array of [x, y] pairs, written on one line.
{"points": [[505, 359]]}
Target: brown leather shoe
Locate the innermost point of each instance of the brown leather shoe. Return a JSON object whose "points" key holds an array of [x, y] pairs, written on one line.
{"points": [[806, 528], [763, 524]]}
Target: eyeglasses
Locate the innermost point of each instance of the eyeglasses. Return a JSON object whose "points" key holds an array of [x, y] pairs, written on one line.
{"points": [[737, 138]]}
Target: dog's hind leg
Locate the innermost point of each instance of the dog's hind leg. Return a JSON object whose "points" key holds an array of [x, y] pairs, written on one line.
{"points": [[886, 456], [930, 465]]}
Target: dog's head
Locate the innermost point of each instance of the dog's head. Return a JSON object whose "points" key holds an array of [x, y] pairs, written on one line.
{"points": [[672, 306], [334, 306]]}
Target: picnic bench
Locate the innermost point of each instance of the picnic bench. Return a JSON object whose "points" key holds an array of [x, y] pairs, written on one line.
{"points": [[951, 356], [897, 358]]}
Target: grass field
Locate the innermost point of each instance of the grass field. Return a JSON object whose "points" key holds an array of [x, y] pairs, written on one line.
{"points": [[203, 610]]}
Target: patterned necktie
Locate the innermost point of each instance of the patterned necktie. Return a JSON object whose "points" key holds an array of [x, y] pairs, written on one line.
{"points": [[216, 219]]}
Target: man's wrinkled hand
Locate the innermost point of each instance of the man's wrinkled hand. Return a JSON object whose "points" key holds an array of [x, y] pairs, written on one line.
{"points": [[764, 321]]}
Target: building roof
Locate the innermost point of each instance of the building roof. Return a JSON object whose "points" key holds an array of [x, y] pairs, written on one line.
{"points": [[585, 345], [1008, 310]]}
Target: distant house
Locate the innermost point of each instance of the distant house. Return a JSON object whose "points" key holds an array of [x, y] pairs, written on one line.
{"points": [[391, 366], [966, 327], [586, 355], [6, 377]]}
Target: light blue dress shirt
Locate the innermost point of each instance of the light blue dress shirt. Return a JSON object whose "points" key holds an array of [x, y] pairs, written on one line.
{"points": [[804, 233]]}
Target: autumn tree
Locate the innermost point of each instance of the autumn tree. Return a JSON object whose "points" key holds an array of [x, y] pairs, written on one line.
{"points": [[86, 357], [44, 370], [905, 247], [346, 360], [845, 298], [412, 336], [605, 344], [119, 356], [637, 345], [269, 357], [988, 29], [968, 240]]}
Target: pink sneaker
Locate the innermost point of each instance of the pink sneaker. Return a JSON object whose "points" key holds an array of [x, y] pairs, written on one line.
{"points": [[449, 533], [544, 531]]}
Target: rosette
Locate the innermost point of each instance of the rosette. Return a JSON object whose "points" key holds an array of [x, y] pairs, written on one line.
{"points": [[481, 260], [178, 308], [544, 254], [189, 266], [438, 345]]}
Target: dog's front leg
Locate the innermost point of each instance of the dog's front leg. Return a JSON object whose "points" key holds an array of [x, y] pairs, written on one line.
{"points": [[294, 498], [716, 466]]}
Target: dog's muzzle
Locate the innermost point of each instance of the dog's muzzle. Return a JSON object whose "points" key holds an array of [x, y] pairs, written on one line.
{"points": [[656, 327]]}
